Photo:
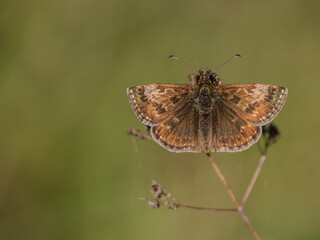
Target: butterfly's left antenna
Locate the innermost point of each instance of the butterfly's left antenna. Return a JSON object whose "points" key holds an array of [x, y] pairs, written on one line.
{"points": [[234, 56], [176, 58]]}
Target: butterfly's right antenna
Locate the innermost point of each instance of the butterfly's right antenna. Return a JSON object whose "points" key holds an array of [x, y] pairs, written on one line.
{"points": [[176, 58], [236, 55]]}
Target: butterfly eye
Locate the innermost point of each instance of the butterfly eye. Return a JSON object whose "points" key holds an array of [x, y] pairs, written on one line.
{"points": [[212, 78], [197, 78]]}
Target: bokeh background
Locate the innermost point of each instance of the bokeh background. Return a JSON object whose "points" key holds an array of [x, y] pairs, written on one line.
{"points": [[69, 171]]}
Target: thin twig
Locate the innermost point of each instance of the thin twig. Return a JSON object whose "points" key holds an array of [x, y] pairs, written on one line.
{"points": [[233, 197], [201, 208], [137, 134], [210, 209], [179, 204], [253, 180]]}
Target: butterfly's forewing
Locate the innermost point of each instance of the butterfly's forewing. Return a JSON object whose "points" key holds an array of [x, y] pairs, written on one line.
{"points": [[230, 131], [258, 103], [154, 103], [180, 132]]}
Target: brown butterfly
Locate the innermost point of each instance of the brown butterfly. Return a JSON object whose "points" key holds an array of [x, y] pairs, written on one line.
{"points": [[206, 115]]}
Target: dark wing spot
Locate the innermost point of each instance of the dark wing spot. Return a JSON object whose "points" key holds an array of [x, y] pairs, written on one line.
{"points": [[160, 109], [143, 98], [271, 90], [178, 98], [250, 90], [140, 91], [256, 104], [175, 99], [235, 99], [270, 97], [250, 109], [225, 95]]}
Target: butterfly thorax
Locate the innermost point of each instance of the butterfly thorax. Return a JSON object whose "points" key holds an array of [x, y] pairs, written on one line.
{"points": [[205, 98], [207, 83]]}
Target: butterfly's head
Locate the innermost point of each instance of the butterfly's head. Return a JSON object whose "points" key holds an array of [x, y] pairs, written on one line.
{"points": [[206, 76]]}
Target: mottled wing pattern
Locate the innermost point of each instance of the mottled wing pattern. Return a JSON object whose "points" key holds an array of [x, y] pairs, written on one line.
{"points": [[258, 103], [154, 103], [230, 131], [180, 132]]}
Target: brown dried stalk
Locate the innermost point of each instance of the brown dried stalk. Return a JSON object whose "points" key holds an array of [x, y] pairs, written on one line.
{"points": [[233, 197], [270, 135], [137, 134], [253, 180]]}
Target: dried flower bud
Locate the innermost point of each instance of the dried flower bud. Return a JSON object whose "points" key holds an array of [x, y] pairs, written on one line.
{"points": [[271, 132], [173, 206], [274, 132], [154, 203], [156, 190], [271, 135]]}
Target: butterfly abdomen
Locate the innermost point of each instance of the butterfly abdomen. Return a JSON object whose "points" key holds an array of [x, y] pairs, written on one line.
{"points": [[205, 122]]}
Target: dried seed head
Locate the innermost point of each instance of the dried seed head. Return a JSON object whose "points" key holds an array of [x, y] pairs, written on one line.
{"points": [[154, 203]]}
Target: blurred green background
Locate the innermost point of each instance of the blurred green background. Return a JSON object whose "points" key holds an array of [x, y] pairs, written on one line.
{"points": [[69, 171]]}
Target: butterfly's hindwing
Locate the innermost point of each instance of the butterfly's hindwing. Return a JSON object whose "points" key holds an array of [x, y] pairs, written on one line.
{"points": [[231, 132], [180, 132]]}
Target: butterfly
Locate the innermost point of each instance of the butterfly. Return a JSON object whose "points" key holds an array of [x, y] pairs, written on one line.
{"points": [[206, 115]]}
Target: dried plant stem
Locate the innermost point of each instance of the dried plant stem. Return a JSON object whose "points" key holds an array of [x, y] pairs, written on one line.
{"points": [[137, 134], [210, 209], [233, 197], [179, 204], [253, 180]]}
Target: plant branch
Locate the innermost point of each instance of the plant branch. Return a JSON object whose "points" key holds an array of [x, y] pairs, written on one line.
{"points": [[233, 197], [210, 209], [155, 203], [253, 180], [137, 134]]}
